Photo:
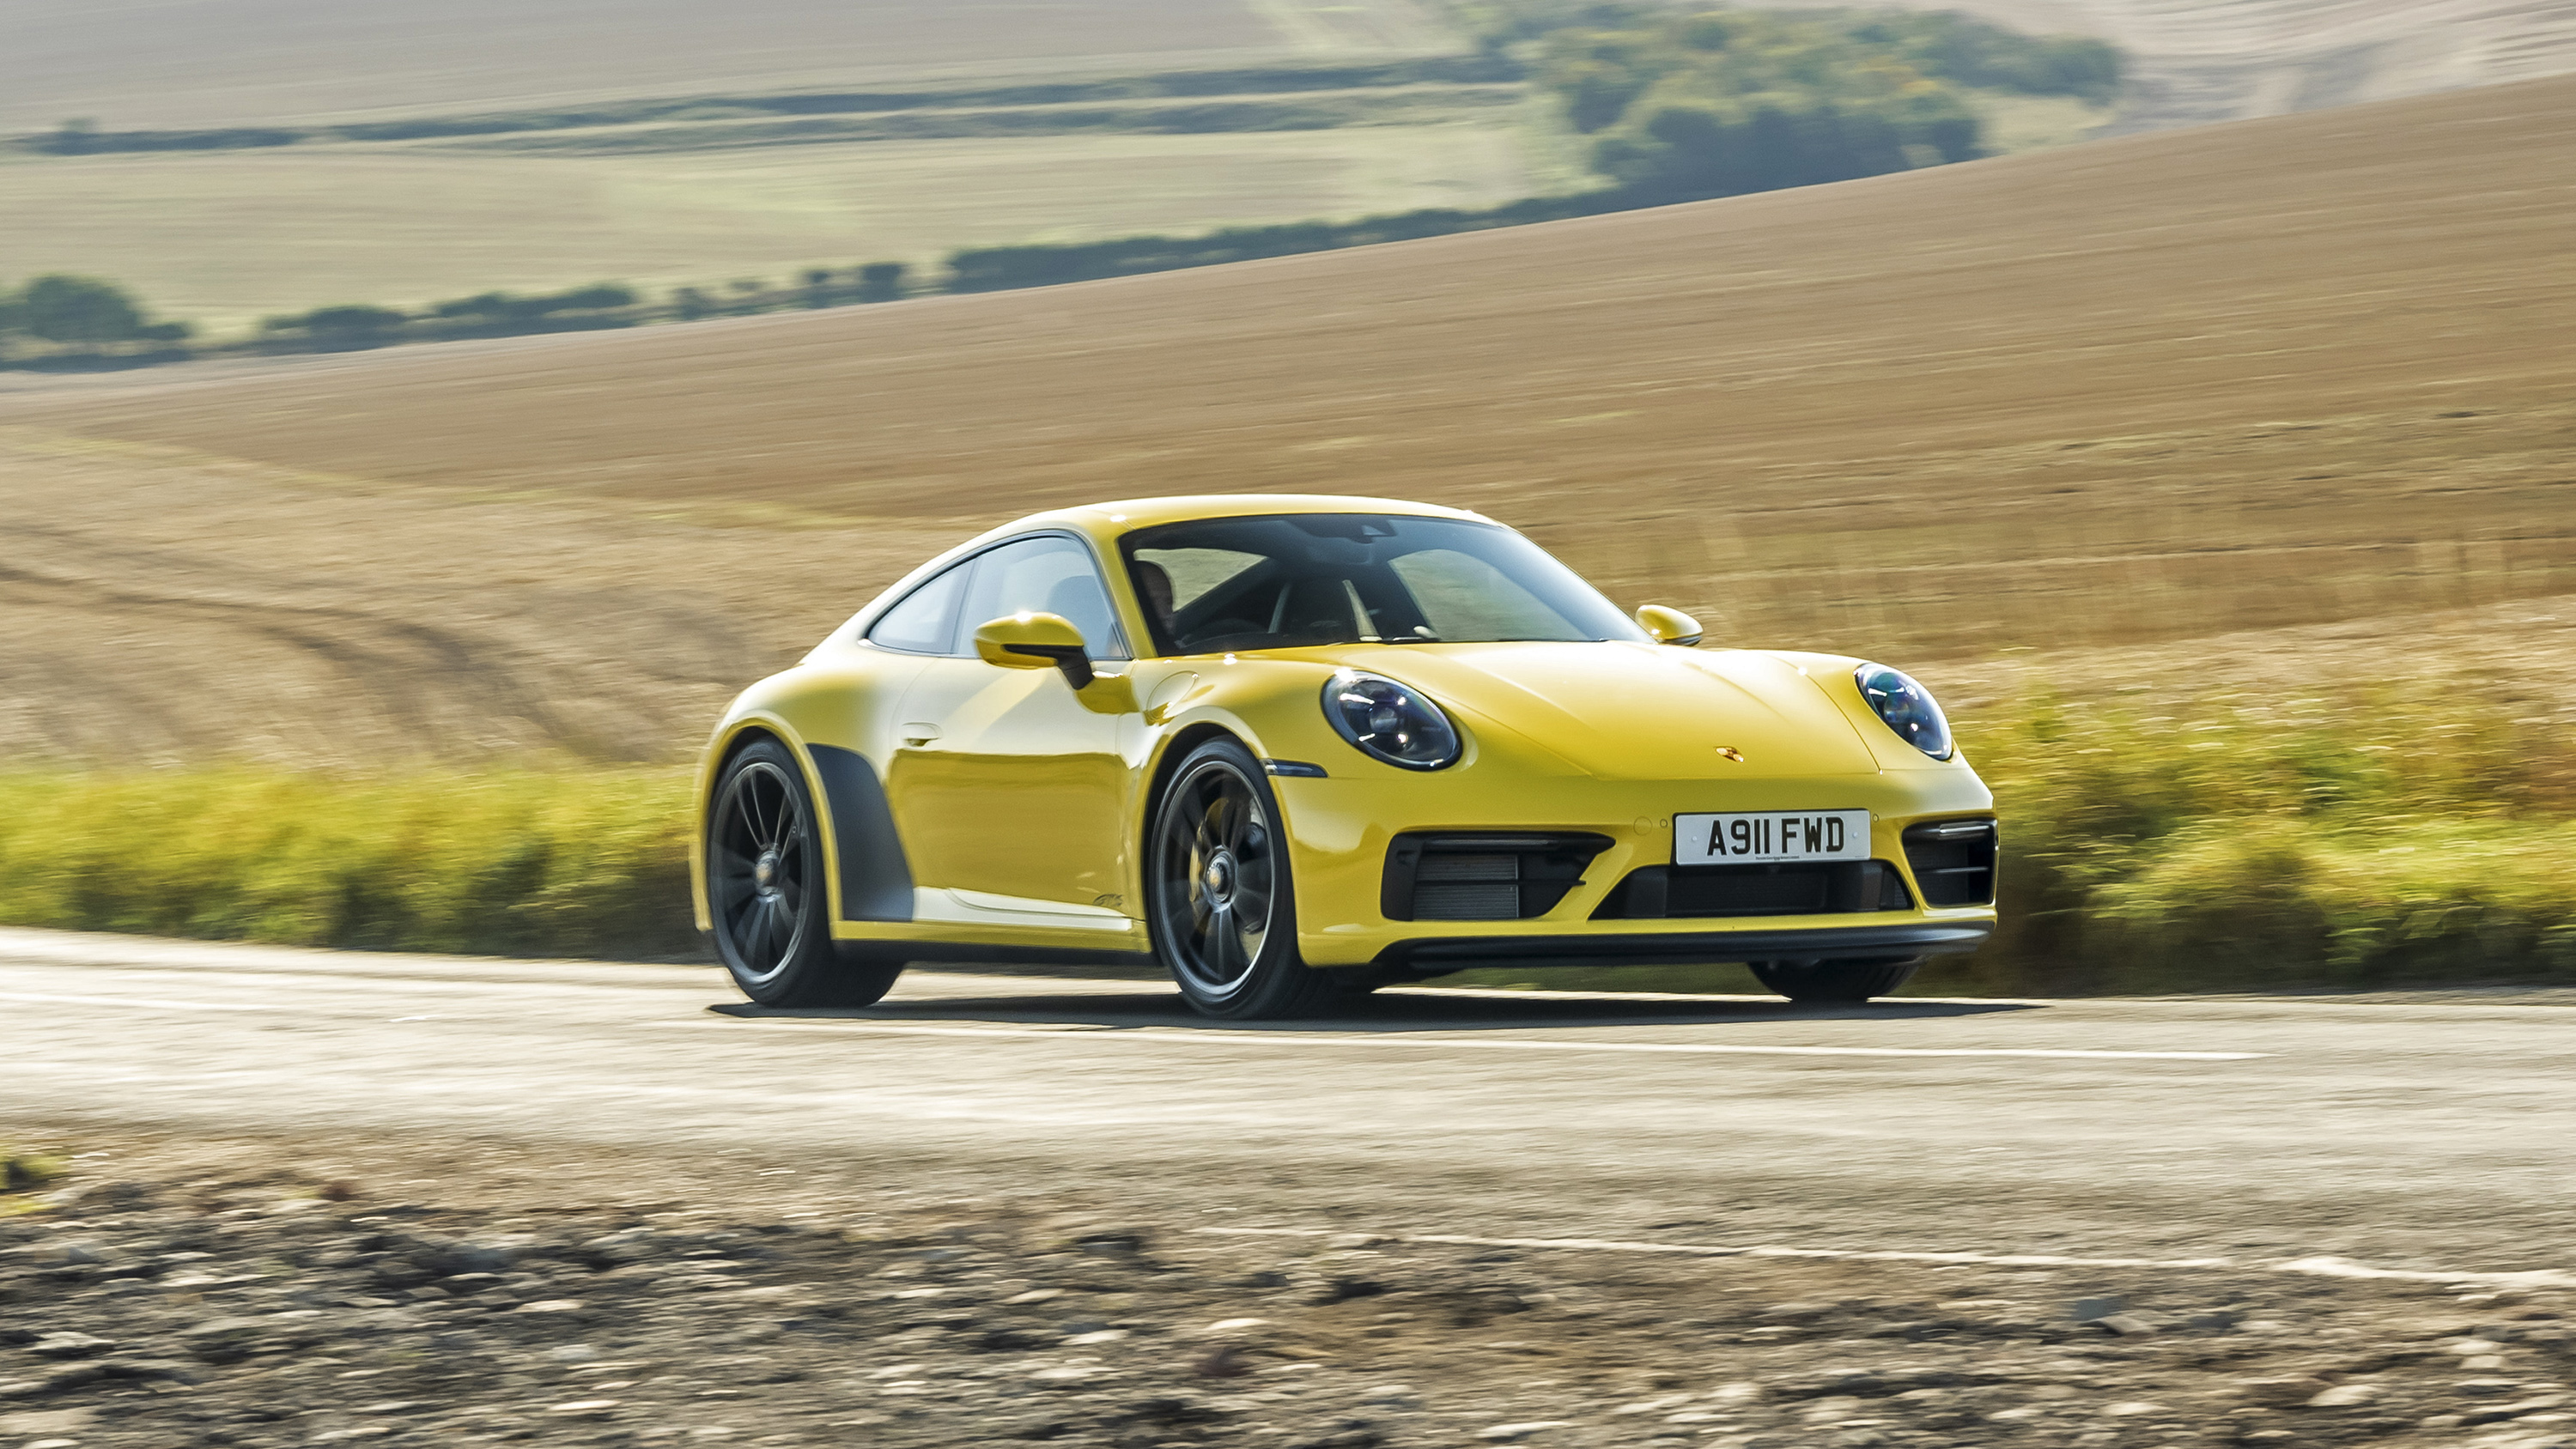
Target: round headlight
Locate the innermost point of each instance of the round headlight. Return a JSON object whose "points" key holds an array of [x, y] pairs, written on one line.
{"points": [[1907, 707], [1389, 721]]}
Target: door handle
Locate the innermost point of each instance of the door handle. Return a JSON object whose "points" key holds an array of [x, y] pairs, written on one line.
{"points": [[920, 734]]}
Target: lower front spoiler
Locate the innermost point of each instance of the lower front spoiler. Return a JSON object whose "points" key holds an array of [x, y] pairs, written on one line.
{"points": [[1695, 948]]}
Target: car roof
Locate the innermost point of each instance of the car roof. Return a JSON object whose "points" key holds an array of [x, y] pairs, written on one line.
{"points": [[1105, 521]]}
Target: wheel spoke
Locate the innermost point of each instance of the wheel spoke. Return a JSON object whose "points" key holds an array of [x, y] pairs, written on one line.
{"points": [[769, 817], [782, 930], [1221, 944]]}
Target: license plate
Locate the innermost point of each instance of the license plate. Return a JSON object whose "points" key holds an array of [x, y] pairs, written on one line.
{"points": [[1773, 835]]}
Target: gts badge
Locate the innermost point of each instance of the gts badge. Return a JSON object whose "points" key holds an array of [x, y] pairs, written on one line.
{"points": [[1110, 903], [1730, 752]]}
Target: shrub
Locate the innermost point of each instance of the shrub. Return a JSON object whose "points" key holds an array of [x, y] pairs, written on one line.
{"points": [[79, 310], [881, 281], [342, 328]]}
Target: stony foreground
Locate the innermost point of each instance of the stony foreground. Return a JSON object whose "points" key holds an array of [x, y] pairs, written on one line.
{"points": [[271, 1308]]}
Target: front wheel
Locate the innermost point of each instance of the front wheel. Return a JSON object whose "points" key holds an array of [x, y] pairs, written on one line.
{"points": [[1218, 896], [1848, 982], [765, 890]]}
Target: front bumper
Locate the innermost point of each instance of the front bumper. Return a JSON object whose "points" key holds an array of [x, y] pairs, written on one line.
{"points": [[1339, 830], [1730, 942]]}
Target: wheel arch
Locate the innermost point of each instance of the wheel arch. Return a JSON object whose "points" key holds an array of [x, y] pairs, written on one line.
{"points": [[1175, 748], [731, 739]]}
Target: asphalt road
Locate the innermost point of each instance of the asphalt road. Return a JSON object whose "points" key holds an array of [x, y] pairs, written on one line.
{"points": [[2425, 1136]]}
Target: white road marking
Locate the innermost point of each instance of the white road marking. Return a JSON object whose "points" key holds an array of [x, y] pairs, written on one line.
{"points": [[2309, 1267], [151, 1003], [1386, 1039]]}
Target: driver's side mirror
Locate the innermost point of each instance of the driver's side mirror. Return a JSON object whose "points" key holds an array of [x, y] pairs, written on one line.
{"points": [[1665, 626], [1027, 640]]}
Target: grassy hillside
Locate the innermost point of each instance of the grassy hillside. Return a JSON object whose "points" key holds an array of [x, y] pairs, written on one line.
{"points": [[225, 238], [251, 62], [2266, 375]]}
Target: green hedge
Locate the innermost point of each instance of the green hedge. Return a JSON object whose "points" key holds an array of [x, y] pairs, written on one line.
{"points": [[2372, 838], [572, 863]]}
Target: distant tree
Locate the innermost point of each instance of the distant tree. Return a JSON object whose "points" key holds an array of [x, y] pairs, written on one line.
{"points": [[345, 328], [72, 138], [597, 297], [818, 286], [691, 304], [881, 281], [497, 313], [80, 310]]}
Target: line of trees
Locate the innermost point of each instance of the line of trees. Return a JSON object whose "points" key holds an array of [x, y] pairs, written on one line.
{"points": [[601, 306]]}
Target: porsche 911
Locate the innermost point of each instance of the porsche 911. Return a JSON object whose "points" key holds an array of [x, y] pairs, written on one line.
{"points": [[1291, 749]]}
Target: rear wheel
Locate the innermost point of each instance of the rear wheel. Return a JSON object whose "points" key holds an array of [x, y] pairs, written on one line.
{"points": [[1219, 901], [765, 890], [1831, 981]]}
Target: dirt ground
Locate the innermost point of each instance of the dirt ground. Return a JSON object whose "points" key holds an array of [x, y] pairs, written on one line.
{"points": [[270, 1293], [2287, 375]]}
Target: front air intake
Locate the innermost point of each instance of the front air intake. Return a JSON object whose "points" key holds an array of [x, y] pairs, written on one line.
{"points": [[1953, 861], [1474, 876], [1809, 888]]}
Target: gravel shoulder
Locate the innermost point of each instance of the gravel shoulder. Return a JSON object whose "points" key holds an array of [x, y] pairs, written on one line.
{"points": [[244, 1291]]}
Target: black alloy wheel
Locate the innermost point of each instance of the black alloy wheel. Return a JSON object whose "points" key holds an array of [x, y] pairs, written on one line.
{"points": [[1849, 982], [1218, 900], [765, 889]]}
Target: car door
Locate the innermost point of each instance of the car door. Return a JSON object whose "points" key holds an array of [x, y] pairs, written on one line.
{"points": [[1009, 791]]}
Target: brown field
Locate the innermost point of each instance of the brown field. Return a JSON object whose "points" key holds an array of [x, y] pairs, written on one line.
{"points": [[2290, 398], [251, 62]]}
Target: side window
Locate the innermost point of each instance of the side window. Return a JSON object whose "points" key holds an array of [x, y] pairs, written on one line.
{"points": [[926, 621], [1048, 576]]}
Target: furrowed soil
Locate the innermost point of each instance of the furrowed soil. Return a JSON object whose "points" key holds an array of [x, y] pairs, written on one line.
{"points": [[2200, 397], [249, 1293]]}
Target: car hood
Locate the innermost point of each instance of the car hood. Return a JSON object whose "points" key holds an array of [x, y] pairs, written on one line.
{"points": [[1624, 711]]}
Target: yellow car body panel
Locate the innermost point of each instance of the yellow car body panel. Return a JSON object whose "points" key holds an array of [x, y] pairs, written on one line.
{"points": [[1018, 822]]}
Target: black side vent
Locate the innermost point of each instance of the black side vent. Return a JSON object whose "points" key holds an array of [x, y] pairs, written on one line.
{"points": [[1483, 877], [1821, 888], [1953, 860]]}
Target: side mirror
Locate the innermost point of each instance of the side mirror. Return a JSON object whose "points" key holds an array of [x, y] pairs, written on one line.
{"points": [[1036, 641], [1668, 626]]}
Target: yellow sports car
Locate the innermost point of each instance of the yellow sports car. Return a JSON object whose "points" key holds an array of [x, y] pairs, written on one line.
{"points": [[1297, 748]]}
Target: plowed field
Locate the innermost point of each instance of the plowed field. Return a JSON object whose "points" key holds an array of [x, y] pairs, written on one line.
{"points": [[2286, 374]]}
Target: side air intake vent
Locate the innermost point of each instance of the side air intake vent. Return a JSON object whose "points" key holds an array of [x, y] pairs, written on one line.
{"points": [[1953, 860], [1483, 877], [1663, 892]]}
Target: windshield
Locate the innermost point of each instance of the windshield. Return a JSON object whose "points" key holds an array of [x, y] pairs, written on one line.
{"points": [[1346, 578]]}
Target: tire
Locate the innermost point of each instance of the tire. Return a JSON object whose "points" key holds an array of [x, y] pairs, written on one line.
{"points": [[1849, 982], [1219, 902], [766, 894]]}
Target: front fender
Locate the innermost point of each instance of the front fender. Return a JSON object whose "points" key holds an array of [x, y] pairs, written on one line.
{"points": [[801, 708]]}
